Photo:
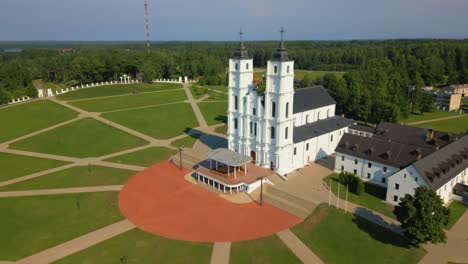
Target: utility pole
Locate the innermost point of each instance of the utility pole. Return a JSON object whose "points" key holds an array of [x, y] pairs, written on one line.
{"points": [[180, 155], [346, 203], [329, 193], [148, 44], [338, 198], [261, 191]]}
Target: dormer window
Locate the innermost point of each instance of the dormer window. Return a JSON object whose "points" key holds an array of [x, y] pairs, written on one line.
{"points": [[275, 69]]}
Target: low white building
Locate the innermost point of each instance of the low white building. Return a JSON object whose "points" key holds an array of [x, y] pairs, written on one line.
{"points": [[280, 128], [402, 158]]}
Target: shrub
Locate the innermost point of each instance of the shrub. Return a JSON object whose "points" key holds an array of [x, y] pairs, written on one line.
{"points": [[359, 186], [354, 184]]}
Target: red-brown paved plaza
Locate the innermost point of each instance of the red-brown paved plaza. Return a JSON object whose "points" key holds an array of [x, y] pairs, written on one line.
{"points": [[160, 201]]}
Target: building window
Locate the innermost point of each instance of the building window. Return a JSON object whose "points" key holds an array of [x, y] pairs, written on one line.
{"points": [[397, 186], [342, 158], [287, 110], [255, 130], [342, 168], [355, 172], [251, 128], [395, 198], [331, 138], [404, 176], [286, 133], [384, 169], [254, 111], [369, 165], [275, 69], [416, 179], [368, 175], [307, 146], [295, 151], [272, 132], [307, 118], [287, 69], [237, 66], [235, 102], [247, 66], [273, 109], [328, 112], [235, 123], [318, 115], [355, 161], [383, 179]]}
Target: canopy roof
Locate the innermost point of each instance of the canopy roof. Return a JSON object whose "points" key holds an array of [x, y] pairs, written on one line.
{"points": [[228, 157]]}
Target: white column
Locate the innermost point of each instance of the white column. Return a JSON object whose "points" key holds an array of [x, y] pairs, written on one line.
{"points": [[235, 172], [246, 169]]}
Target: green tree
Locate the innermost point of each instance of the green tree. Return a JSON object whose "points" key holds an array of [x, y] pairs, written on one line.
{"points": [[423, 216]]}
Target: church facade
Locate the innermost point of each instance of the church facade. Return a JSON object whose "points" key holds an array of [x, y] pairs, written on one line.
{"points": [[280, 128]]}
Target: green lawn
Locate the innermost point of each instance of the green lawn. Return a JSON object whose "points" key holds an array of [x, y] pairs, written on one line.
{"points": [[427, 116], [214, 113], [26, 118], [84, 138], [372, 198], [457, 209], [14, 166], [119, 89], [216, 93], [268, 249], [187, 142], [455, 125], [221, 129], [136, 246], [74, 177], [34, 223], [130, 101], [160, 122], [144, 157], [338, 237]]}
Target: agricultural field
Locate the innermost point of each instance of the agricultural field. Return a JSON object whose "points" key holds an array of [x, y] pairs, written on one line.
{"points": [[22, 119]]}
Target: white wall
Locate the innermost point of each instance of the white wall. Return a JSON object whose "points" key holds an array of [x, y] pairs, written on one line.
{"points": [[445, 191], [310, 116], [376, 170], [408, 179]]}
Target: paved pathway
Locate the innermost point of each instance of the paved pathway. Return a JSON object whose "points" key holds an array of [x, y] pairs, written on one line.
{"points": [[78, 244], [456, 248], [193, 103], [109, 188], [436, 119], [221, 253], [35, 175], [298, 247]]}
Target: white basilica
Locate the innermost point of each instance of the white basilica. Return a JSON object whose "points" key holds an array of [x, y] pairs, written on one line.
{"points": [[282, 129]]}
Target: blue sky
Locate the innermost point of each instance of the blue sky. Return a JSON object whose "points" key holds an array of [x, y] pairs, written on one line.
{"points": [[221, 19]]}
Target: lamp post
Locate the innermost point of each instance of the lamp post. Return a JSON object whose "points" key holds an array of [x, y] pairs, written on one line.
{"points": [[180, 153], [261, 190]]}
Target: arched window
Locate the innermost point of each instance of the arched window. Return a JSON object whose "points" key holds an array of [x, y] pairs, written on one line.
{"points": [[287, 109], [255, 129], [275, 69], [235, 123], [247, 66], [235, 102], [273, 109], [287, 69], [251, 128], [272, 132], [286, 133], [254, 111], [237, 66]]}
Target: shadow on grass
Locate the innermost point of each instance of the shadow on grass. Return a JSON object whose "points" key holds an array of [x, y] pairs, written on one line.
{"points": [[221, 118], [379, 229], [212, 141]]}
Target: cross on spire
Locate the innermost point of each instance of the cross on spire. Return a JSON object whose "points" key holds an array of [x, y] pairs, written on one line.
{"points": [[282, 32], [241, 33]]}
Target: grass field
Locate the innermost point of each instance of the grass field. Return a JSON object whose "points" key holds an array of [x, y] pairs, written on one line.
{"points": [[117, 89], [187, 142], [263, 250], [428, 116], [216, 93], [221, 129], [372, 198], [35, 223], [455, 125], [136, 246], [457, 209], [14, 166], [26, 118], [214, 113], [144, 157], [337, 237], [84, 138], [130, 101], [161, 122], [74, 177]]}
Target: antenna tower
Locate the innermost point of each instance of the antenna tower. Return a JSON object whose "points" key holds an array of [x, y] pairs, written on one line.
{"points": [[148, 45]]}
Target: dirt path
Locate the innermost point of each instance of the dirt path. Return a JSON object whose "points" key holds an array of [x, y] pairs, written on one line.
{"points": [[78, 244], [221, 253], [109, 188], [38, 85], [436, 119], [298, 247]]}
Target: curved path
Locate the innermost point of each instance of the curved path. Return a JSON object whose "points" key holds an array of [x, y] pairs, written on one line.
{"points": [[160, 201]]}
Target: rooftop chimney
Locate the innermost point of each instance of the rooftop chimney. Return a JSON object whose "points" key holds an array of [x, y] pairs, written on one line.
{"points": [[429, 134]]}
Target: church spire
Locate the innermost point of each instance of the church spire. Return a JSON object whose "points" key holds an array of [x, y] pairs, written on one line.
{"points": [[241, 52], [281, 53]]}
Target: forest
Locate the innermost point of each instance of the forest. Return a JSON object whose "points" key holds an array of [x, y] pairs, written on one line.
{"points": [[377, 86]]}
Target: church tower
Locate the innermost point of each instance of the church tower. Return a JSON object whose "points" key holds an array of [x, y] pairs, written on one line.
{"points": [[279, 102], [240, 82]]}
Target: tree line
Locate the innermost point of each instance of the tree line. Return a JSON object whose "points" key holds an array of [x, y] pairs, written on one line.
{"points": [[376, 87]]}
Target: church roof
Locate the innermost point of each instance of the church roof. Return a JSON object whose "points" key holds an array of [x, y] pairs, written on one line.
{"points": [[281, 54], [311, 98], [241, 53], [318, 128]]}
